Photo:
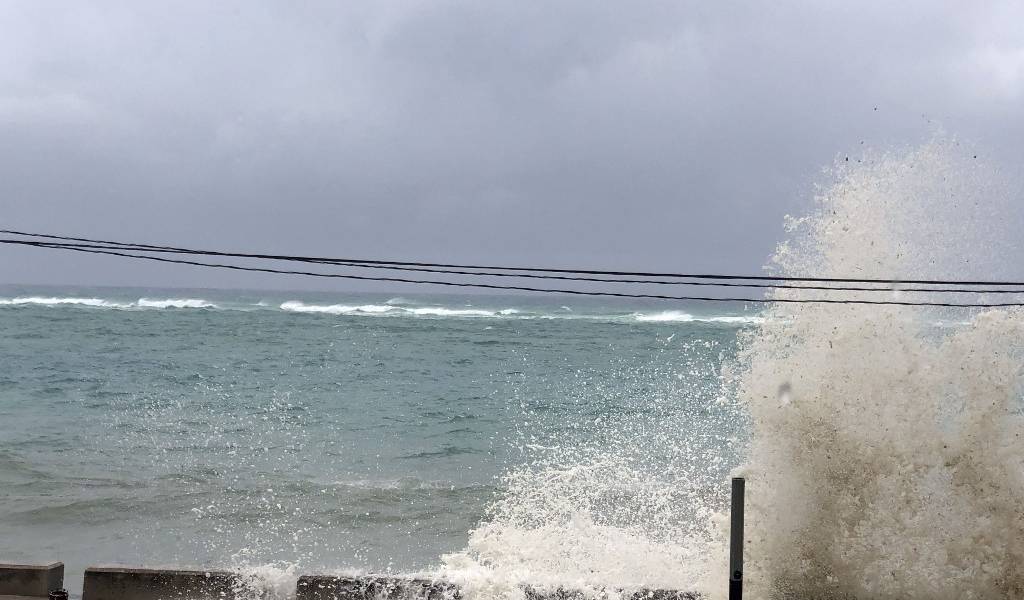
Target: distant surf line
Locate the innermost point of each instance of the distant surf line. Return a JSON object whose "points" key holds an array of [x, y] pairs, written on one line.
{"points": [[388, 309]]}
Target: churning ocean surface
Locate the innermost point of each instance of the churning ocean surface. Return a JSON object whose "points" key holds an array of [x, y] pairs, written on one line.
{"points": [[331, 431]]}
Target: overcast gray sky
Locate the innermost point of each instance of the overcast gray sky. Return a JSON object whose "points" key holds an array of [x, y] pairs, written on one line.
{"points": [[641, 135]]}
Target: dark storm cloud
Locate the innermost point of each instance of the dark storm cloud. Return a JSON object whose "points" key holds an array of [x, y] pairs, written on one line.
{"points": [[647, 135]]}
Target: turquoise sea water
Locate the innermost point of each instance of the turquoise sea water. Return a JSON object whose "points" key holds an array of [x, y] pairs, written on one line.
{"points": [[325, 431]]}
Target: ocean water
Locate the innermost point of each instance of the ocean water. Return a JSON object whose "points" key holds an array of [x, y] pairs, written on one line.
{"points": [[550, 441], [320, 432]]}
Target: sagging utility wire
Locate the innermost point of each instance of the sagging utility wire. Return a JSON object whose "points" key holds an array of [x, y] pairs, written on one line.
{"points": [[143, 248], [523, 272], [383, 263], [340, 262]]}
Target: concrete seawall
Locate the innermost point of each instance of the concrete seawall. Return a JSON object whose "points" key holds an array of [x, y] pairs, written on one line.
{"points": [[32, 582], [122, 583], [324, 587], [566, 594]]}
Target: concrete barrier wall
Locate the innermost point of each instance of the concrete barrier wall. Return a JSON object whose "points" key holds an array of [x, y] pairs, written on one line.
{"points": [[323, 587], [122, 583], [31, 580], [126, 583], [564, 594]]}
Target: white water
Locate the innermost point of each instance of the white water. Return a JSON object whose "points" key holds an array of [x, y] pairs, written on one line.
{"points": [[886, 458], [390, 308], [678, 316], [105, 303], [53, 301], [175, 303]]}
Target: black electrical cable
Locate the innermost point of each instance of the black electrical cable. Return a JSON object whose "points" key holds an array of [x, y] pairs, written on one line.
{"points": [[127, 247], [353, 261], [165, 249], [58, 246], [99, 244]]}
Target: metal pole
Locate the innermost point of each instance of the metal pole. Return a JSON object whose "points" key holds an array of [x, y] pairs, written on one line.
{"points": [[736, 540]]}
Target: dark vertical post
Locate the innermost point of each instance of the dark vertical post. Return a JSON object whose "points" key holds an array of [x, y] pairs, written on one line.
{"points": [[736, 540]]}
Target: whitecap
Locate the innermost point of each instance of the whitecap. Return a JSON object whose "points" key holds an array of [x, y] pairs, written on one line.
{"points": [[58, 301], [677, 316], [175, 303], [438, 311], [334, 309], [674, 316]]}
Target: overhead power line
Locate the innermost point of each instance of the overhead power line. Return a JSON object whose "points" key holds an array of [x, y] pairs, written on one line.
{"points": [[533, 289], [130, 250], [360, 261], [117, 246]]}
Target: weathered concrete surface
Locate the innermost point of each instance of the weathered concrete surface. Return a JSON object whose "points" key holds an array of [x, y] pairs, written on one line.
{"points": [[326, 587], [31, 580], [123, 583], [564, 594]]}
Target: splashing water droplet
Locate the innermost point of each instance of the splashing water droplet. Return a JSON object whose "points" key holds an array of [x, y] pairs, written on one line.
{"points": [[785, 394]]}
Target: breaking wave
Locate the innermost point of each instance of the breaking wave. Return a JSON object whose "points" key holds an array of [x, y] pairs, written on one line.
{"points": [[676, 316], [452, 312], [393, 309], [174, 303], [41, 301], [884, 455], [102, 303], [886, 458], [516, 313], [396, 307], [334, 309]]}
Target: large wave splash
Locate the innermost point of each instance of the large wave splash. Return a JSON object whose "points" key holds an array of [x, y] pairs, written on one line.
{"points": [[883, 443], [886, 457], [620, 497]]}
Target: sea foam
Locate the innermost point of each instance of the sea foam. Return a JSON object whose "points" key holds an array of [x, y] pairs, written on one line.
{"points": [[886, 459], [106, 303], [391, 310], [175, 303], [335, 309], [53, 301], [677, 316], [395, 307]]}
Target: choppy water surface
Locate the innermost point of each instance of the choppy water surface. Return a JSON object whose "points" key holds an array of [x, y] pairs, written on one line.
{"points": [[338, 431]]}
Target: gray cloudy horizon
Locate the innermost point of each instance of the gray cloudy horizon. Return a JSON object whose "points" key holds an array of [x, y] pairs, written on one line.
{"points": [[647, 135]]}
